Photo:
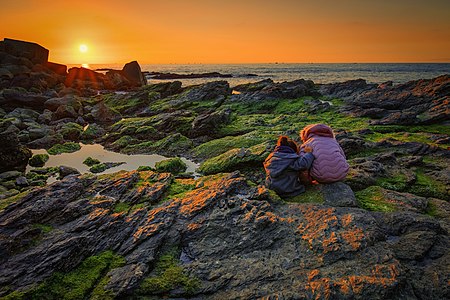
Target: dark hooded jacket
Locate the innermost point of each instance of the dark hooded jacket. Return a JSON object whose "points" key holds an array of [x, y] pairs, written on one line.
{"points": [[282, 169]]}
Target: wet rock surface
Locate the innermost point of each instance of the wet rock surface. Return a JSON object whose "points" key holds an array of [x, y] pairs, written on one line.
{"points": [[235, 245]]}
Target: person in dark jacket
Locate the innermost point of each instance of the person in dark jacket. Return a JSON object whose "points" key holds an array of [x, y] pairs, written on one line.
{"points": [[283, 165]]}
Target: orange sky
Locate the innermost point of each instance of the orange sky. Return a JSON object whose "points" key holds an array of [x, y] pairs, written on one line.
{"points": [[233, 31]]}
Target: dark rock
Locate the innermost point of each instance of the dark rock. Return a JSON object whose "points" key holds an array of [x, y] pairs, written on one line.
{"points": [[424, 101], [216, 90], [54, 103], [268, 90], [32, 51], [9, 175], [21, 181], [338, 194], [102, 114], [57, 68], [346, 89], [66, 171], [63, 112], [13, 98], [165, 89], [208, 124], [13, 156], [132, 71]]}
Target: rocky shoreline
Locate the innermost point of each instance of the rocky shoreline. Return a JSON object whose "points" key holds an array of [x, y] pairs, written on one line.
{"points": [[383, 233]]}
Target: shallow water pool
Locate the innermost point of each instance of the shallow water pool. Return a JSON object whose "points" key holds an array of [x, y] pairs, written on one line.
{"points": [[132, 162]]}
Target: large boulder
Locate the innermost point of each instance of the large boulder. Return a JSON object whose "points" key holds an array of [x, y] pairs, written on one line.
{"points": [[132, 72], [32, 51]]}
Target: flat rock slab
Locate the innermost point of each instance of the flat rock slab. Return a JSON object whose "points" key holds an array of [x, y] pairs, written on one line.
{"points": [[338, 194]]}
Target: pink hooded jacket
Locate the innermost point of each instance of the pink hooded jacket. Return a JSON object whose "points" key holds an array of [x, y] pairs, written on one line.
{"points": [[330, 164]]}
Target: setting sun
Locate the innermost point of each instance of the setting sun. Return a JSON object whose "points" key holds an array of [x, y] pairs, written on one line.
{"points": [[83, 48]]}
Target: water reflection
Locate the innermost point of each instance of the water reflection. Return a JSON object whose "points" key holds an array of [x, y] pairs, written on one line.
{"points": [[132, 162]]}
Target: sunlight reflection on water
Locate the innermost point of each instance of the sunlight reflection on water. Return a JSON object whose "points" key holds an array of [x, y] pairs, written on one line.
{"points": [[132, 162]]}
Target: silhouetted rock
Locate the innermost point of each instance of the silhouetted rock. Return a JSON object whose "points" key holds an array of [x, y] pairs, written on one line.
{"points": [[32, 51], [132, 71]]}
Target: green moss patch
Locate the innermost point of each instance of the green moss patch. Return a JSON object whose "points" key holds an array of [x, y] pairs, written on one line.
{"points": [[219, 146], [7, 201], [235, 159], [427, 186], [372, 198], [38, 160], [311, 195], [79, 283], [71, 131], [121, 207], [44, 228], [171, 165], [179, 187], [175, 143], [169, 276], [89, 161], [68, 147]]}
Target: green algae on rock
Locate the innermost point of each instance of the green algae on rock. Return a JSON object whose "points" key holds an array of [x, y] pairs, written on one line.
{"points": [[38, 160], [67, 147], [171, 165]]}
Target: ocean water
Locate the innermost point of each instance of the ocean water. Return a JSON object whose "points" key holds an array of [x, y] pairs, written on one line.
{"points": [[319, 73]]}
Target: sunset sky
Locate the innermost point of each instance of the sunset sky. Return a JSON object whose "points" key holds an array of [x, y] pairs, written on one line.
{"points": [[232, 31]]}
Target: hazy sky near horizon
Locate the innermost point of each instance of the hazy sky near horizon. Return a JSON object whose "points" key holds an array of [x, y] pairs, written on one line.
{"points": [[232, 31]]}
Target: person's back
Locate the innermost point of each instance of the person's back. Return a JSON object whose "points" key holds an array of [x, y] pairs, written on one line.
{"points": [[282, 168], [330, 164]]}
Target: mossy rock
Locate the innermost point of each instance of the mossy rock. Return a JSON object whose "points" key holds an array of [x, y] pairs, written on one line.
{"points": [[235, 159], [68, 147], [93, 131], [313, 194], [38, 160], [71, 131], [100, 167], [373, 199], [173, 144], [87, 281], [169, 276], [123, 142], [172, 165], [131, 122], [89, 161], [219, 146]]}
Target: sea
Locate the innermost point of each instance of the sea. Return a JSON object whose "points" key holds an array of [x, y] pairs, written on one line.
{"points": [[319, 73]]}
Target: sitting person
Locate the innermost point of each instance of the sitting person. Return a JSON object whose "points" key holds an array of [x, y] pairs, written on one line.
{"points": [[330, 164], [283, 165]]}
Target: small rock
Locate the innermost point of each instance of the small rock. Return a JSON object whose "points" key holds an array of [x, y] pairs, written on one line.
{"points": [[22, 181], [65, 171], [338, 194]]}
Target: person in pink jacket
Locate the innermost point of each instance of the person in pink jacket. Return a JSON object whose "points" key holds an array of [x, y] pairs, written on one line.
{"points": [[330, 164]]}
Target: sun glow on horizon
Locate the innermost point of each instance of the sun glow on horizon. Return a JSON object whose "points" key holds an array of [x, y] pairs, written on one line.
{"points": [[83, 48]]}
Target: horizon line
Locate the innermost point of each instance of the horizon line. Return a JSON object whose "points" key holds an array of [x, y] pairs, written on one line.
{"points": [[261, 63]]}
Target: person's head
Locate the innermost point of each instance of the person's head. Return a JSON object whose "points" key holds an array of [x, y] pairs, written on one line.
{"points": [[285, 141]]}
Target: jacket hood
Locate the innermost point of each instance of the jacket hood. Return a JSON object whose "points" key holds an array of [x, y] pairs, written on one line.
{"points": [[279, 161], [316, 129]]}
